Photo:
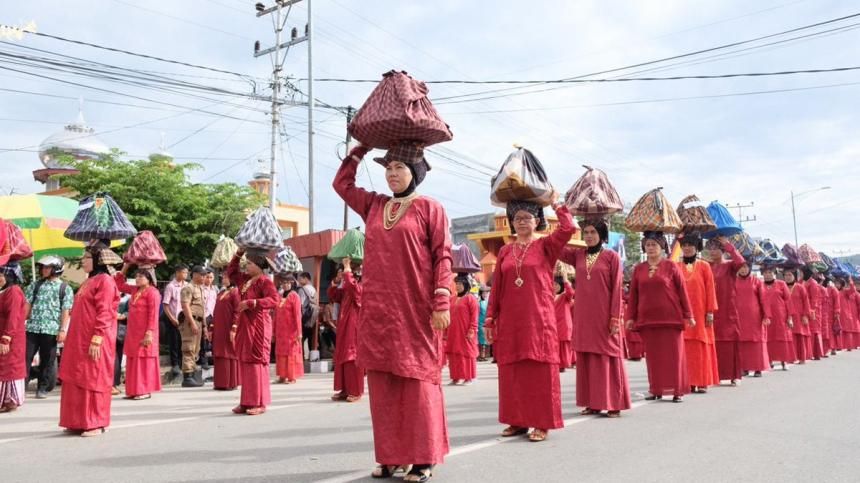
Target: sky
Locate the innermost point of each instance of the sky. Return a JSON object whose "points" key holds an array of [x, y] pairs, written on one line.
{"points": [[687, 136]]}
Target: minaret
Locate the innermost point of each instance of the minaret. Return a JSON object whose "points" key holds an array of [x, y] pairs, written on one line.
{"points": [[262, 181]]}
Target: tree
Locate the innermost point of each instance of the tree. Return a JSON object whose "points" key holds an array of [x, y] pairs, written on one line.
{"points": [[156, 194]]}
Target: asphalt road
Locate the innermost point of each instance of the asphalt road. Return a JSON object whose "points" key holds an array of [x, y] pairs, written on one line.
{"points": [[801, 425]]}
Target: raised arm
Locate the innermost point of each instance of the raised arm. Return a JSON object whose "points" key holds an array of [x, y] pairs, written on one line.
{"points": [[122, 284], [556, 241], [359, 199], [234, 272], [737, 260]]}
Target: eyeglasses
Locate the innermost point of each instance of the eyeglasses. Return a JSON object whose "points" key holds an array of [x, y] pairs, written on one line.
{"points": [[523, 219]]}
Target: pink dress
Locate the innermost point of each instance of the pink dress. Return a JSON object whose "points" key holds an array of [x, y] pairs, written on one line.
{"points": [[461, 345], [142, 368]]}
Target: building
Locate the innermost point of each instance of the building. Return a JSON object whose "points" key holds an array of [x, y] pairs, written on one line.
{"points": [[77, 140], [294, 220]]}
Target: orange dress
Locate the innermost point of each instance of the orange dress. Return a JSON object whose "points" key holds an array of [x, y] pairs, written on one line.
{"points": [[699, 340]]}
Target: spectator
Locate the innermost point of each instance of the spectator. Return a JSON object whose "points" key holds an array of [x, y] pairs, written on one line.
{"points": [[191, 326], [49, 301], [310, 306], [210, 295], [172, 307], [121, 330]]}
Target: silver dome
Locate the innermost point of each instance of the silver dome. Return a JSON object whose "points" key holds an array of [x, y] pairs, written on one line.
{"points": [[76, 139]]}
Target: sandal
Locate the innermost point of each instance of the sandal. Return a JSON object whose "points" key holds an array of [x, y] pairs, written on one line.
{"points": [[537, 436], [419, 474], [256, 411], [677, 399], [239, 409], [352, 399], [339, 397], [653, 398], [383, 471], [141, 397], [613, 414], [514, 431], [93, 432], [588, 412]]}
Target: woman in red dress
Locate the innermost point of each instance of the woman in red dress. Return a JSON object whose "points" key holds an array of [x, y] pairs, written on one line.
{"points": [[726, 322], [847, 307], [658, 308], [226, 377], [142, 368], [348, 376], [564, 318], [780, 343], [754, 318], [699, 340], [405, 308], [601, 378], [289, 354], [252, 332], [88, 354], [632, 340], [836, 315], [13, 339], [815, 293], [461, 344], [800, 314], [521, 322]]}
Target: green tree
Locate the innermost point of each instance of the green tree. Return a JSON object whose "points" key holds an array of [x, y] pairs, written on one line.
{"points": [[156, 194]]}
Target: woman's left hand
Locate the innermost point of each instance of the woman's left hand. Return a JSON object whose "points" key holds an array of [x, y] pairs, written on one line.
{"points": [[441, 319], [147, 339], [4, 349], [95, 352], [691, 323], [244, 305]]}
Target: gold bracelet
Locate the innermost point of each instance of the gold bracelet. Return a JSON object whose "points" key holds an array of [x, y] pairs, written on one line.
{"points": [[96, 340], [6, 338]]}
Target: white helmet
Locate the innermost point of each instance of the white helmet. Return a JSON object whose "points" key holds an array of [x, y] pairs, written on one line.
{"points": [[56, 263]]}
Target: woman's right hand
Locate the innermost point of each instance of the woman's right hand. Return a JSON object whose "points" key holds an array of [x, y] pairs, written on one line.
{"points": [[490, 334], [4, 349], [630, 324]]}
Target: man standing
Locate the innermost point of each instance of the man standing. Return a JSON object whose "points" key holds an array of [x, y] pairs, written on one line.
{"points": [[172, 308], [310, 307], [49, 301], [191, 325]]}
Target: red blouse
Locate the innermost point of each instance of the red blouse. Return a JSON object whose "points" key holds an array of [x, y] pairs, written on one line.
{"points": [[12, 321], [660, 300], [142, 316]]}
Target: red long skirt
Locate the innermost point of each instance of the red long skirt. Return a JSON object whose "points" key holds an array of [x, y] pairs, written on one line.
{"points": [[666, 359], [801, 347], [462, 368], [635, 346], [729, 360], [291, 367], [349, 378], [530, 395], [781, 351], [226, 373], [566, 355], [601, 382], [142, 376], [825, 345], [701, 363], [256, 389], [817, 347], [409, 422], [82, 409], [754, 356]]}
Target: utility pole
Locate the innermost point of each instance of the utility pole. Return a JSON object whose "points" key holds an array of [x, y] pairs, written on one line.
{"points": [[794, 218], [277, 65], [309, 37], [740, 208], [350, 111]]}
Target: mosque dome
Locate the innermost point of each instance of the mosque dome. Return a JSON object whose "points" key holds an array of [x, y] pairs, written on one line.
{"points": [[76, 139]]}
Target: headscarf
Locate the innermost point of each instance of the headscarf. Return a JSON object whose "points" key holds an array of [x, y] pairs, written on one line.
{"points": [[13, 273], [558, 279], [692, 239], [412, 155], [656, 236], [602, 229], [807, 273], [535, 209], [467, 284]]}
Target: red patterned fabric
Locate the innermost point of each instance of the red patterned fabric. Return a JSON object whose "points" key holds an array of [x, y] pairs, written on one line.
{"points": [[593, 195], [145, 250], [398, 109], [13, 246]]}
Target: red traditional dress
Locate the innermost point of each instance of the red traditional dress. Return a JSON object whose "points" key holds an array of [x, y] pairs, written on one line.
{"points": [[461, 345], [752, 311], [86, 396], [254, 335], [815, 292], [635, 348], [289, 354], [849, 318], [526, 338], [801, 315], [226, 313], [601, 378], [406, 275], [348, 376], [13, 370], [726, 322], [659, 307], [836, 340], [826, 319], [564, 318], [780, 342], [699, 340], [142, 368]]}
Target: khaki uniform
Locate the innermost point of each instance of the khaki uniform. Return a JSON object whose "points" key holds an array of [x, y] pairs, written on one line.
{"points": [[192, 295]]}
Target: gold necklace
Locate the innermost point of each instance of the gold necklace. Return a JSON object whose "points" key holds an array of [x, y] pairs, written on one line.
{"points": [[391, 217], [248, 284], [652, 269], [137, 296], [590, 260], [518, 261]]}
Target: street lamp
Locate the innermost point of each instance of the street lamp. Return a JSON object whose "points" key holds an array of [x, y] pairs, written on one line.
{"points": [[794, 215]]}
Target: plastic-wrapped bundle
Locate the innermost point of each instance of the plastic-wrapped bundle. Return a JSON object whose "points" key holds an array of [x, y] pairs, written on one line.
{"points": [[726, 223], [521, 178], [224, 251], [350, 246]]}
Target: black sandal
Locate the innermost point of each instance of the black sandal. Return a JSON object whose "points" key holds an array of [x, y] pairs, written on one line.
{"points": [[653, 398], [419, 474]]}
